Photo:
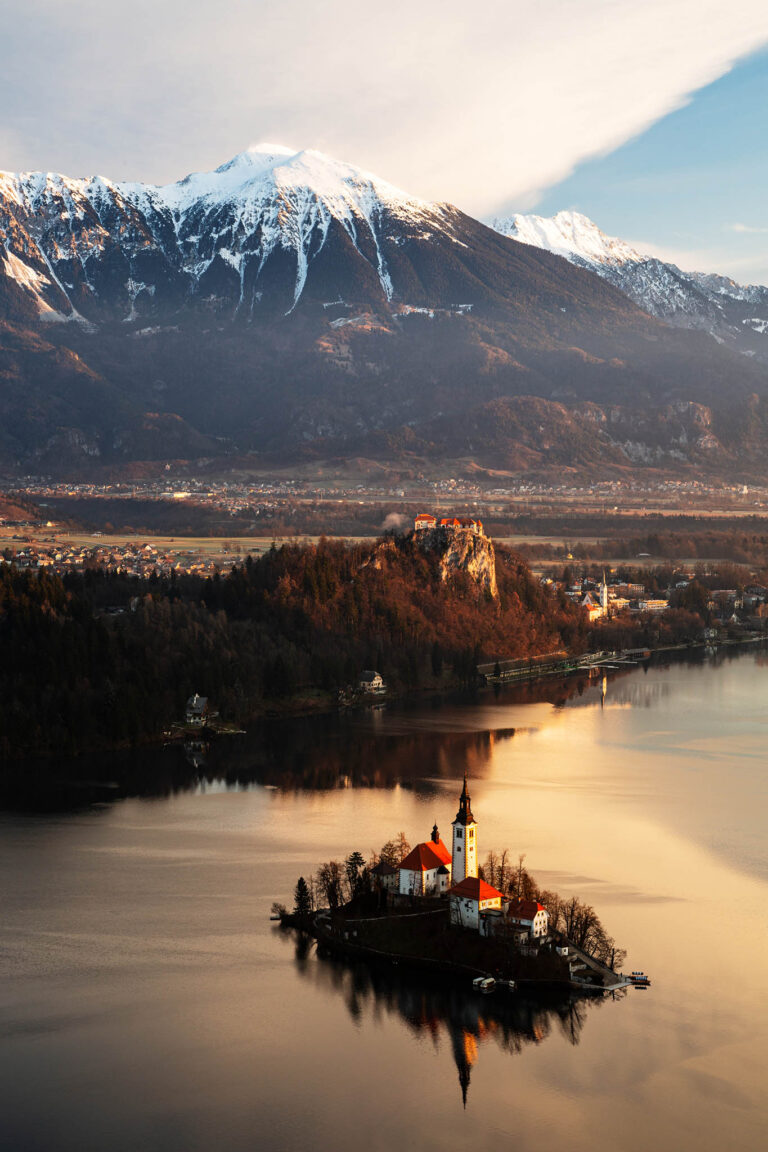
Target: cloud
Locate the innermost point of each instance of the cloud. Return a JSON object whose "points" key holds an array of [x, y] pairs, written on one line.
{"points": [[481, 106], [750, 267], [748, 228]]}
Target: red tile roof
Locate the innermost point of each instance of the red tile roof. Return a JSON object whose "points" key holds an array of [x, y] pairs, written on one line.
{"points": [[524, 909], [423, 858], [440, 850], [473, 888]]}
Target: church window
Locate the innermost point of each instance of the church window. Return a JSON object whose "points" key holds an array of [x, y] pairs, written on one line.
{"points": [[458, 833]]}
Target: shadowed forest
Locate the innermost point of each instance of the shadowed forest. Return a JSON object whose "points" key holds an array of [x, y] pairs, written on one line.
{"points": [[99, 659]]}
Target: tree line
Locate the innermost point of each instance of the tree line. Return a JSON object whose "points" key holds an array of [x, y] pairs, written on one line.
{"points": [[567, 915], [98, 659]]}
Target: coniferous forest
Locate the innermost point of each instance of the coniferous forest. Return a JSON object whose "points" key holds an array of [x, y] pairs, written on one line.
{"points": [[97, 659]]}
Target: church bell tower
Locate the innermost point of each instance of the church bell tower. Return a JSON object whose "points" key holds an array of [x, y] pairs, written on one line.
{"points": [[464, 856]]}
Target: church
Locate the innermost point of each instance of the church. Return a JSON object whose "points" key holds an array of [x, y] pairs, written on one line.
{"points": [[430, 869]]}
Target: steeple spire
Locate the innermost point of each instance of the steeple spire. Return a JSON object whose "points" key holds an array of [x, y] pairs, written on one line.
{"points": [[464, 814]]}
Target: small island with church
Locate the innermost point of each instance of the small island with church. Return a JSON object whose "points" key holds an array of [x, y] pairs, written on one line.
{"points": [[429, 909]]}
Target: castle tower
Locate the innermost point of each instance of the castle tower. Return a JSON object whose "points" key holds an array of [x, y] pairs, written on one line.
{"points": [[464, 856]]}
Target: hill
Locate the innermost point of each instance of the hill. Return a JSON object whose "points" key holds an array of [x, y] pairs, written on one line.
{"points": [[286, 630]]}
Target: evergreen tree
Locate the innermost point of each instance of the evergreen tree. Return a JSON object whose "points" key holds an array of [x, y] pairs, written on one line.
{"points": [[357, 874], [302, 900]]}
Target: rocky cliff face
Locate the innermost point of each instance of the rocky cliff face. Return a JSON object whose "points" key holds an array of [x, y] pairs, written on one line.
{"points": [[462, 550]]}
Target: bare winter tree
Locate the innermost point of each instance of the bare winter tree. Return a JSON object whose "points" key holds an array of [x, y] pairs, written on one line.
{"points": [[330, 882], [395, 850]]}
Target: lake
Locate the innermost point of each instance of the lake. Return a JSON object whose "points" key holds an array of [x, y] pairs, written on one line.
{"points": [[147, 1002]]}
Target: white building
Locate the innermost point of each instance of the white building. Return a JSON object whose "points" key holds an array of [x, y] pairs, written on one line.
{"points": [[464, 855], [530, 915], [371, 682], [470, 899], [426, 870]]}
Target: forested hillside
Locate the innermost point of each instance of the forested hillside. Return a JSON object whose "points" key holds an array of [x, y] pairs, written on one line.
{"points": [[276, 631]]}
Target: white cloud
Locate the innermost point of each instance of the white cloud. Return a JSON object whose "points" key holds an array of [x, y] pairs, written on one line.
{"points": [[748, 228], [484, 106], [748, 267]]}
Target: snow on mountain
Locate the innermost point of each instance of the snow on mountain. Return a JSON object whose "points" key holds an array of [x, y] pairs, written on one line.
{"points": [[707, 301], [571, 235], [214, 233]]}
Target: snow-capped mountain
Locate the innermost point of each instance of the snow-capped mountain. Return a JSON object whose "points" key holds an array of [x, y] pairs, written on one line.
{"points": [[266, 229], [732, 313], [289, 304]]}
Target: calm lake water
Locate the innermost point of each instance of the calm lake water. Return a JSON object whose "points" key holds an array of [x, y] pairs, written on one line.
{"points": [[146, 1002]]}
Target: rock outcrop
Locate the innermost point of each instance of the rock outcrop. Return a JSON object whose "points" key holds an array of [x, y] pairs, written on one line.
{"points": [[461, 550]]}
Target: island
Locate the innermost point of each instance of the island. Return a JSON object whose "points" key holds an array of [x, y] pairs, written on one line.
{"points": [[432, 909]]}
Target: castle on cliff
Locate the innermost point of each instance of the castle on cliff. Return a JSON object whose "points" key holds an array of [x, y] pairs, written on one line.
{"points": [[426, 520]]}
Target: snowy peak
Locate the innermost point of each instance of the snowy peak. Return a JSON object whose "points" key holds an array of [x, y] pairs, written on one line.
{"points": [[254, 232], [569, 234], [731, 313], [265, 170]]}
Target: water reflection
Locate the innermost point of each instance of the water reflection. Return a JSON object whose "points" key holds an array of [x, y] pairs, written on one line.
{"points": [[415, 744], [441, 1012], [363, 749]]}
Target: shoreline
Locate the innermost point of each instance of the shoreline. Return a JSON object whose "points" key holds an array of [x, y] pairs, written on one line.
{"points": [[304, 705], [457, 973]]}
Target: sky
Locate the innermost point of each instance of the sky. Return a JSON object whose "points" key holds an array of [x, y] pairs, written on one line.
{"points": [[648, 115]]}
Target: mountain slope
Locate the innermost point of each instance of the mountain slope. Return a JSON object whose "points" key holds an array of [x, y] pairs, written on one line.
{"points": [[734, 314], [289, 304]]}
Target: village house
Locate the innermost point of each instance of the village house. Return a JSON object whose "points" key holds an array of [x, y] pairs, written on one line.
{"points": [[593, 609], [530, 916], [371, 682], [653, 605], [197, 710], [386, 876], [471, 900]]}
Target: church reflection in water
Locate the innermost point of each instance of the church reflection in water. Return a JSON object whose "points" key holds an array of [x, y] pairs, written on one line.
{"points": [[442, 1011]]}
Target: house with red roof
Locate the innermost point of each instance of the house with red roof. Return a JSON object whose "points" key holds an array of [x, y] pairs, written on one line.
{"points": [[426, 870], [424, 520], [529, 915], [471, 900]]}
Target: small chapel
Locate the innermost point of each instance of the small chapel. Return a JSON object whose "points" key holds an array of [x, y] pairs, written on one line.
{"points": [[430, 869]]}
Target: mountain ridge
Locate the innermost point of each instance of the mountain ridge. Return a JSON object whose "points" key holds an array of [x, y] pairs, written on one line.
{"points": [[288, 305], [708, 301]]}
